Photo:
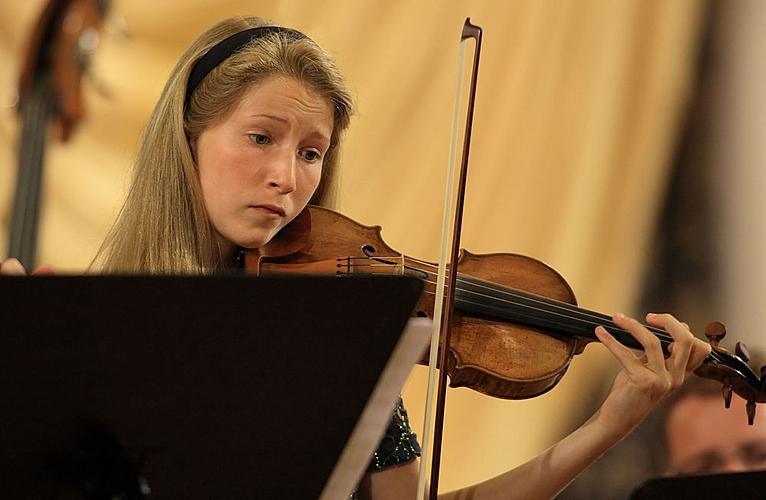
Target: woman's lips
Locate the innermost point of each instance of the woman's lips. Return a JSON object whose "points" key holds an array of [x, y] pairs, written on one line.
{"points": [[270, 210]]}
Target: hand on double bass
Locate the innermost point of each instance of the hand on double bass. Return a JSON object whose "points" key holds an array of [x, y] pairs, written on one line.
{"points": [[12, 267]]}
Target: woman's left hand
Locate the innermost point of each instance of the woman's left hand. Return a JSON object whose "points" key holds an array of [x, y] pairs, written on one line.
{"points": [[643, 382]]}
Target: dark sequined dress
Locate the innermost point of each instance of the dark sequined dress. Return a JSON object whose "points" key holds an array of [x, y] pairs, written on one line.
{"points": [[398, 446]]}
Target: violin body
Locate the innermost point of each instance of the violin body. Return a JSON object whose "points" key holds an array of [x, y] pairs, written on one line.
{"points": [[494, 357], [504, 359]]}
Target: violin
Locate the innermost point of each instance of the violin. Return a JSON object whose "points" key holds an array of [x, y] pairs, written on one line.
{"points": [[516, 323]]}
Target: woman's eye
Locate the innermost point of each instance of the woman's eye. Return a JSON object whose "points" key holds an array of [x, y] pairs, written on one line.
{"points": [[311, 155], [260, 139]]}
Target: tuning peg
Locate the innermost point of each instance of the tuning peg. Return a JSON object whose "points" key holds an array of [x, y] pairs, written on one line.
{"points": [[714, 332], [726, 391], [750, 412], [742, 352]]}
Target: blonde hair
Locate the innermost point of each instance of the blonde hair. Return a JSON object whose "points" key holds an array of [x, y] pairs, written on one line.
{"points": [[163, 226]]}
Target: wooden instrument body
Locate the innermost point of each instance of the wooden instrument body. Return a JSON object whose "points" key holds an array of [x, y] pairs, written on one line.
{"points": [[495, 357]]}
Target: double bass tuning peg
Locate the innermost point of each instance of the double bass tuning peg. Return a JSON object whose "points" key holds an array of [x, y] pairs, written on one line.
{"points": [[714, 332]]}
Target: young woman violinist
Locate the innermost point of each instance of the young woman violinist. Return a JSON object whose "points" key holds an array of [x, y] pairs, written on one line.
{"points": [[244, 136]]}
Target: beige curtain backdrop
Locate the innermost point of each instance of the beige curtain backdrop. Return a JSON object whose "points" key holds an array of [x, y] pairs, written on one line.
{"points": [[738, 157], [577, 115]]}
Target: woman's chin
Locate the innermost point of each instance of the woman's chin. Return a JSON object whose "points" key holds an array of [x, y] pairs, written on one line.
{"points": [[252, 244], [254, 241]]}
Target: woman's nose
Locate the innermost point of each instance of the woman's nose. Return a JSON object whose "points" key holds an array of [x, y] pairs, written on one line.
{"points": [[281, 174]]}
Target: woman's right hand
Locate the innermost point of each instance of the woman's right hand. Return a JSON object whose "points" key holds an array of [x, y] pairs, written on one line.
{"points": [[12, 267]]}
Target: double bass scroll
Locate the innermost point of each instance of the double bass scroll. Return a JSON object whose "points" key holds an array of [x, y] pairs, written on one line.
{"points": [[66, 35]]}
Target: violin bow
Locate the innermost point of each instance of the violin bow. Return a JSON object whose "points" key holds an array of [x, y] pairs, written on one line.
{"points": [[443, 315]]}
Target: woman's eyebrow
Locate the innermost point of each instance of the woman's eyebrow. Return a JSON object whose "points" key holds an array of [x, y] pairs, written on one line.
{"points": [[271, 117], [316, 134], [320, 136]]}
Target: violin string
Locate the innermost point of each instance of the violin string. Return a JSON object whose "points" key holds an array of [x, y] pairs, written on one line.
{"points": [[571, 308], [592, 319], [663, 337], [570, 311], [589, 318], [667, 340], [462, 278]]}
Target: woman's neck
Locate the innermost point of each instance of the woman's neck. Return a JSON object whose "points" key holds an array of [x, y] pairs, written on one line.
{"points": [[226, 249]]}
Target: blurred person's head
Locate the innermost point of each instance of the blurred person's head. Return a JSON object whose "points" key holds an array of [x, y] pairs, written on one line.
{"points": [[704, 437]]}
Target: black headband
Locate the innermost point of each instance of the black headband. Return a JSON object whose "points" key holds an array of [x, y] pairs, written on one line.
{"points": [[226, 47]]}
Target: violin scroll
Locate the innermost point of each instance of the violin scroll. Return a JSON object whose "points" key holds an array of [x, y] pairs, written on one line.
{"points": [[63, 42], [732, 371]]}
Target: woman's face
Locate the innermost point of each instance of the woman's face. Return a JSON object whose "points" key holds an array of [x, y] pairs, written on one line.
{"points": [[260, 163]]}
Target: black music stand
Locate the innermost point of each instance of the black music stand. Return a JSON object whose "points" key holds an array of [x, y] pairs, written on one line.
{"points": [[741, 485], [222, 387]]}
